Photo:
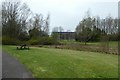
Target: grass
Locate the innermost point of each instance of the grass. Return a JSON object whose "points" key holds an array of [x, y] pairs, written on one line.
{"points": [[59, 63], [112, 44]]}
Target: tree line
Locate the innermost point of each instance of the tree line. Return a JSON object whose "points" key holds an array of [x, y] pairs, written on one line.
{"points": [[94, 28], [19, 24]]}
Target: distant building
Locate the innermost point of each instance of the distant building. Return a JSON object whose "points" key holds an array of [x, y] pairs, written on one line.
{"points": [[65, 35]]}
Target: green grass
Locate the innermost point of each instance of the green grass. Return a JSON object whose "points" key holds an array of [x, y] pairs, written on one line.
{"points": [[59, 63]]}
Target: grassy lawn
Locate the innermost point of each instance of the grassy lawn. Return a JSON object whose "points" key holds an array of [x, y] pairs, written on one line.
{"points": [[59, 63]]}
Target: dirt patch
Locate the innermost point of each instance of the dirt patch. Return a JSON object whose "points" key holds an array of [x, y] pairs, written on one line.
{"points": [[82, 47]]}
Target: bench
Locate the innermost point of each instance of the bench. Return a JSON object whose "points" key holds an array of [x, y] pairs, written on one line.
{"points": [[22, 47]]}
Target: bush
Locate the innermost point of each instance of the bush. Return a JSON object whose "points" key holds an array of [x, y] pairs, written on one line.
{"points": [[43, 41], [9, 41], [33, 42], [113, 37]]}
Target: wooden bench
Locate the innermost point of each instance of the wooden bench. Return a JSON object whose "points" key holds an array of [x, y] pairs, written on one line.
{"points": [[23, 47]]}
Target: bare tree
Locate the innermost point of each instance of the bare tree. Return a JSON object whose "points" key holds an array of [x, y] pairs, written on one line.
{"points": [[98, 22], [57, 31], [115, 26], [109, 23], [36, 26], [14, 17], [10, 18], [61, 29], [24, 15], [47, 24]]}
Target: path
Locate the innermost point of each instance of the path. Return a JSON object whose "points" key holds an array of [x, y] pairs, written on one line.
{"points": [[12, 68]]}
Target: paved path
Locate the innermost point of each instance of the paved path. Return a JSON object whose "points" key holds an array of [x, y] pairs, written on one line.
{"points": [[0, 64], [12, 68]]}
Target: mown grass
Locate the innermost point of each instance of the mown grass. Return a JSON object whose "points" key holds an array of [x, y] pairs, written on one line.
{"points": [[61, 63]]}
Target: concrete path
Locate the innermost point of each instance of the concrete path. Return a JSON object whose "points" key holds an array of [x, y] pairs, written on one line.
{"points": [[0, 63], [12, 68]]}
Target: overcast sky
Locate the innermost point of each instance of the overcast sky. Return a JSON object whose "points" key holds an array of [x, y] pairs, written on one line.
{"points": [[68, 13]]}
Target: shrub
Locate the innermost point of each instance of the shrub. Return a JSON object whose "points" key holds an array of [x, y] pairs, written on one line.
{"points": [[43, 41], [9, 41], [113, 37], [33, 42]]}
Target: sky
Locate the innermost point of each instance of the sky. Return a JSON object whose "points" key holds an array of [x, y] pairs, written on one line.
{"points": [[68, 13]]}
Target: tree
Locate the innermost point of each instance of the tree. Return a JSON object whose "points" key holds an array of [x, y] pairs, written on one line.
{"points": [[38, 26], [103, 24], [115, 26], [109, 23], [14, 16], [55, 29], [24, 36], [34, 33], [90, 29], [47, 23], [56, 32], [24, 16], [85, 35], [96, 34], [55, 36], [9, 18], [98, 22], [85, 28]]}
